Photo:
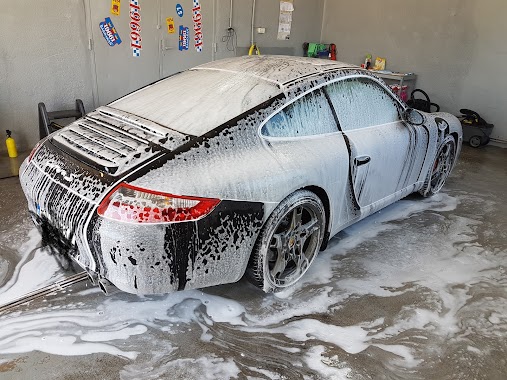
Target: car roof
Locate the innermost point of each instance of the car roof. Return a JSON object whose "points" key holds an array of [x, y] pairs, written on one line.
{"points": [[275, 68], [198, 100]]}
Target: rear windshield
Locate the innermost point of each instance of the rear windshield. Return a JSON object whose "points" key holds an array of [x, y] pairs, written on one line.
{"points": [[196, 101]]}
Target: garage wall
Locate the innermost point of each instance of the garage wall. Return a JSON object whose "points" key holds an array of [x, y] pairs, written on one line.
{"points": [[306, 26], [43, 57], [456, 47]]}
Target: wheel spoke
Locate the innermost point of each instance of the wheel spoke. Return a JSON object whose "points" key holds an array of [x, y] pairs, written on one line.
{"points": [[297, 215], [302, 262], [309, 228], [280, 265], [278, 243]]}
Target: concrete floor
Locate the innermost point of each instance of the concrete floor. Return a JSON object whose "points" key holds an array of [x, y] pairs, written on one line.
{"points": [[9, 167], [416, 291]]}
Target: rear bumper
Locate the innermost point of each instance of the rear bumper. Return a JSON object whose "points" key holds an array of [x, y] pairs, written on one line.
{"points": [[154, 259], [141, 259]]}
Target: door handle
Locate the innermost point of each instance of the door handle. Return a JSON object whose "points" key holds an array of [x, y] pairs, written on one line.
{"points": [[361, 160]]}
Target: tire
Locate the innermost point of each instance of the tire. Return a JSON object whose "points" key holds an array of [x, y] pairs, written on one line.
{"points": [[475, 141], [441, 167], [288, 243]]}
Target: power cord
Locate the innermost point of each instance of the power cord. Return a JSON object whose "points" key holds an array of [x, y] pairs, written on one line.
{"points": [[230, 39]]}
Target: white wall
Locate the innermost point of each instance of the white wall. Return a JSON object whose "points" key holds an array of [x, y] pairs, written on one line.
{"points": [[44, 57], [306, 26], [44, 54], [456, 47]]}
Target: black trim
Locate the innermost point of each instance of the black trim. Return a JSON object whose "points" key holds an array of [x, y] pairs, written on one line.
{"points": [[354, 197], [196, 142]]}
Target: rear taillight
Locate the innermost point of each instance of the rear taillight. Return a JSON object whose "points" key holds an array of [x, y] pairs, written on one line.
{"points": [[35, 149], [133, 204]]}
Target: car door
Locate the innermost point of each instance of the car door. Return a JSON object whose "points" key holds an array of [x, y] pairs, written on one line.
{"points": [[304, 138], [386, 153]]}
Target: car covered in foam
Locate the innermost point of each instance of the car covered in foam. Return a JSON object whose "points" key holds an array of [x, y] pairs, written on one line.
{"points": [[244, 165]]}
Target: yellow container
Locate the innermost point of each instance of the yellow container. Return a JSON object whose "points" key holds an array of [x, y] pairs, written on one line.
{"points": [[11, 146]]}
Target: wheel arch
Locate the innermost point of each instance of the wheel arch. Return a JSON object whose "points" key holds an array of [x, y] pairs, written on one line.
{"points": [[321, 193]]}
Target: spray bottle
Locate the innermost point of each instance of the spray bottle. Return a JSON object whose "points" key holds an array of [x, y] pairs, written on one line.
{"points": [[11, 145]]}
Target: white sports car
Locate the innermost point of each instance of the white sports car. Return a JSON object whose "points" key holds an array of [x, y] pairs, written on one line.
{"points": [[241, 165]]}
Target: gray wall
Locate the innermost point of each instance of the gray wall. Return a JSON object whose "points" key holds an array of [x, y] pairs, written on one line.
{"points": [[306, 26], [456, 47], [43, 57], [44, 53]]}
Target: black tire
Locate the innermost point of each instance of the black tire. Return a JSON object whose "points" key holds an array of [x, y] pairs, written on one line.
{"points": [[440, 168], [288, 243], [475, 141]]}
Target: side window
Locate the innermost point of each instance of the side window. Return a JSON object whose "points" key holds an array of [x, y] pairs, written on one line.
{"points": [[310, 115], [362, 103]]}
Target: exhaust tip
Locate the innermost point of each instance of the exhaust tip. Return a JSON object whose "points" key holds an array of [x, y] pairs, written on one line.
{"points": [[107, 287]]}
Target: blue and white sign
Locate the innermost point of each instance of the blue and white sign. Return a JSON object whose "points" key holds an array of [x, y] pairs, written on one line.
{"points": [[179, 10], [184, 38]]}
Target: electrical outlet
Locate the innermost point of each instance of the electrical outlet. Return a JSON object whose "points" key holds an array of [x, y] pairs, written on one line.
{"points": [[261, 30]]}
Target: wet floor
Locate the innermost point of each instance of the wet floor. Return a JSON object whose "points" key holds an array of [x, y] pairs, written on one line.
{"points": [[416, 291]]}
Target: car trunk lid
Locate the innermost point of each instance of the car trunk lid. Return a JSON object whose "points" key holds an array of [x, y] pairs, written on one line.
{"points": [[115, 141]]}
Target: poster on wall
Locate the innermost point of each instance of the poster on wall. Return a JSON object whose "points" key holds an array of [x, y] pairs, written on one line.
{"points": [[197, 18], [179, 10], [170, 25], [115, 7], [285, 19], [135, 28], [109, 32], [183, 38]]}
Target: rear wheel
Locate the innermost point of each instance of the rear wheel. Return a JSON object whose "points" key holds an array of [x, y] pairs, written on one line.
{"points": [[288, 243], [441, 168]]}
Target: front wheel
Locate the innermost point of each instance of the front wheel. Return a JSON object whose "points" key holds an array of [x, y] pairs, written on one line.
{"points": [[288, 243], [441, 168]]}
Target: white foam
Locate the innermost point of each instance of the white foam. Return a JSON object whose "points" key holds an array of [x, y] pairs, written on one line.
{"points": [[327, 367], [202, 368], [31, 273], [444, 271]]}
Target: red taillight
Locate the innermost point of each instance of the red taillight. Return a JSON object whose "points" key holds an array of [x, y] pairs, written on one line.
{"points": [[133, 204], [35, 149]]}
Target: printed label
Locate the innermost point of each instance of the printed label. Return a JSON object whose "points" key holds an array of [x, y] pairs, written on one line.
{"points": [[115, 7], [197, 18], [184, 38], [109, 32], [135, 28], [179, 10], [170, 25]]}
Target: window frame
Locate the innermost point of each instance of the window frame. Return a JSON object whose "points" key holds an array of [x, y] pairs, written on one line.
{"points": [[290, 103], [403, 107]]}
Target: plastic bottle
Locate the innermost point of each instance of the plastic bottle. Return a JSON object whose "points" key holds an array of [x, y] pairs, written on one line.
{"points": [[11, 146]]}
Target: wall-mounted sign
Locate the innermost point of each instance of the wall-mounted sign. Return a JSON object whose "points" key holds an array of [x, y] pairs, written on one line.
{"points": [[184, 38], [109, 32], [179, 10], [170, 25], [197, 18], [115, 7], [135, 28], [285, 19]]}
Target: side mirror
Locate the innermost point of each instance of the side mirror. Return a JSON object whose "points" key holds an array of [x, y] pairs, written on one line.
{"points": [[414, 117]]}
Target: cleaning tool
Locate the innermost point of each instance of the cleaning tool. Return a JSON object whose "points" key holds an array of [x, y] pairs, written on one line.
{"points": [[11, 145]]}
